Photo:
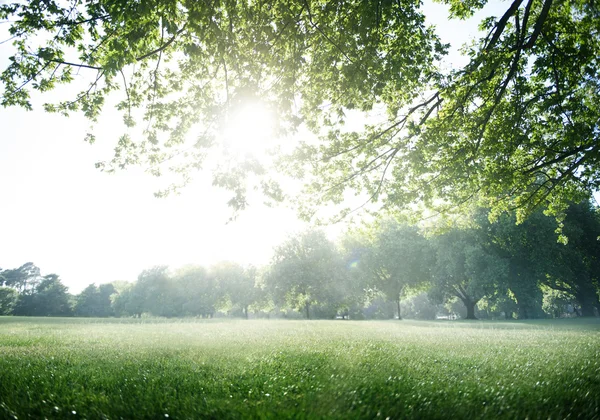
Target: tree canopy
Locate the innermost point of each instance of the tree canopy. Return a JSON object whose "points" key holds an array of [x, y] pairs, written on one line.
{"points": [[516, 127]]}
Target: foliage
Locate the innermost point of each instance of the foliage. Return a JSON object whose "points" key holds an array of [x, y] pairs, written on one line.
{"points": [[577, 267], [190, 65], [536, 258], [198, 292], [24, 279], [515, 127], [488, 270], [48, 298], [8, 300], [398, 259], [95, 301], [465, 269], [531, 250], [557, 303], [419, 306], [304, 271], [238, 284]]}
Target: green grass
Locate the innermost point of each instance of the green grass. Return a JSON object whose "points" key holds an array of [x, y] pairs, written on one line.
{"points": [[76, 368]]}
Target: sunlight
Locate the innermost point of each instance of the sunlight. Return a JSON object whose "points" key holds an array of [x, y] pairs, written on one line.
{"points": [[249, 130]]}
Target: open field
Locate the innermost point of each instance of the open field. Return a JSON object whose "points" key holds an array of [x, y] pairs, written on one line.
{"points": [[94, 368]]}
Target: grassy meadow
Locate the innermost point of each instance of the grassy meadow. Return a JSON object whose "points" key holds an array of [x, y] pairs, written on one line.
{"points": [[99, 368]]}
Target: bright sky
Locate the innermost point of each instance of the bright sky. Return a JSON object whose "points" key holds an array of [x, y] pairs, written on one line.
{"points": [[67, 217]]}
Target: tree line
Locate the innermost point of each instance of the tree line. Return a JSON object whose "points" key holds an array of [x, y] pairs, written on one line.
{"points": [[386, 270]]}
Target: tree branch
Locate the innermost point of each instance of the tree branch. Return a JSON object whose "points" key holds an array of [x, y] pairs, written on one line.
{"points": [[164, 46], [538, 24], [66, 63], [314, 25]]}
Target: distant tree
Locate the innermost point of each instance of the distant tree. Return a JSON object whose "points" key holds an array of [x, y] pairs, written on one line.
{"points": [[303, 273], [8, 300], [237, 284], [86, 301], [155, 290], [106, 292], [530, 249], [95, 301], [399, 259], [48, 298], [24, 279], [536, 257], [128, 302], [503, 303], [576, 268], [465, 269], [197, 292]]}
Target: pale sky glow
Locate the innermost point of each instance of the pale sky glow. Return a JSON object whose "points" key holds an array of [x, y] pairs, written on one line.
{"points": [[67, 217], [250, 130]]}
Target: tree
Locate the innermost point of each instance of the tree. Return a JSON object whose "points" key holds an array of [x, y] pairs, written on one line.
{"points": [[399, 259], [577, 263], [8, 300], [155, 292], [531, 250], [536, 257], [517, 126], [237, 283], [49, 298], [25, 278], [128, 302], [198, 292], [95, 301], [304, 271], [465, 269]]}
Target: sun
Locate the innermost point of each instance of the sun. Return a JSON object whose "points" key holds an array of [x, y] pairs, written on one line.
{"points": [[249, 130]]}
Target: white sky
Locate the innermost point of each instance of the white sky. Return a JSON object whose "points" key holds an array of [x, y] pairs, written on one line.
{"points": [[67, 217]]}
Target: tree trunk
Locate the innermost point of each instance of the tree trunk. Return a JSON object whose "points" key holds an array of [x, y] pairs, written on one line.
{"points": [[245, 310], [587, 306], [523, 313], [398, 303], [470, 309], [307, 308]]}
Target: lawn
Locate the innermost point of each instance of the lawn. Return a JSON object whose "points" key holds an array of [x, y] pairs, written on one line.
{"points": [[93, 368]]}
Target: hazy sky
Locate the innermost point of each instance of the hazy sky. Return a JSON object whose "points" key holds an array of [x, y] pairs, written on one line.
{"points": [[67, 217]]}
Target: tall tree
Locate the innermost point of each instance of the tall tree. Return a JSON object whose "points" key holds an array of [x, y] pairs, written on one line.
{"points": [[577, 263], [399, 259], [465, 270], [531, 250], [516, 126], [198, 292], [154, 290], [25, 278], [49, 298], [536, 257], [304, 271]]}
